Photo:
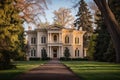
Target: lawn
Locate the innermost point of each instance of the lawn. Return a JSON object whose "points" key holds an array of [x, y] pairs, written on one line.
{"points": [[22, 66], [88, 70]]}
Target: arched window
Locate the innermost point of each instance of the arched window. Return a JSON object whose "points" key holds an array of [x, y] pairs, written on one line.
{"points": [[76, 40], [66, 39], [33, 52], [55, 38], [77, 52], [43, 39]]}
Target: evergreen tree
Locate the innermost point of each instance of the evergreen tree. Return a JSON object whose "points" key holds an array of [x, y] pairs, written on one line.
{"points": [[84, 20], [66, 53], [10, 29], [91, 47], [110, 55], [44, 54], [103, 38]]}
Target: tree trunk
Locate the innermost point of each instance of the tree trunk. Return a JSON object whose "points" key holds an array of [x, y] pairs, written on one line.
{"points": [[112, 25]]}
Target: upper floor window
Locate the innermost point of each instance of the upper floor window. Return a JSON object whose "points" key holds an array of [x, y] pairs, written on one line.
{"points": [[43, 39], [77, 52], [33, 52], [76, 40], [66, 39], [55, 38], [33, 40]]}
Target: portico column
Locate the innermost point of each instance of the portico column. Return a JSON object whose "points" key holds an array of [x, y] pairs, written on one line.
{"points": [[37, 42], [50, 52], [60, 37], [59, 53], [50, 38], [62, 52]]}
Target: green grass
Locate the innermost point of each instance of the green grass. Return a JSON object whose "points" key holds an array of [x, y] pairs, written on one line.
{"points": [[88, 70], [22, 66]]}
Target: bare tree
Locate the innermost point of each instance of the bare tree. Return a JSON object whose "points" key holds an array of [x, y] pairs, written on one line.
{"points": [[31, 8], [112, 25], [63, 17]]}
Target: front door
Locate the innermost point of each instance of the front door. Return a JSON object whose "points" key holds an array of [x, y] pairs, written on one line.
{"points": [[55, 52]]}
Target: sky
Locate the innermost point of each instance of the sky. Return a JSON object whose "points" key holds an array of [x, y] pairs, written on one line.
{"points": [[55, 5]]}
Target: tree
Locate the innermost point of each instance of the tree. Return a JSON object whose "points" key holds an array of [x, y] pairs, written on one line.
{"points": [[110, 55], [91, 47], [103, 38], [66, 53], [31, 8], [10, 28], [44, 54], [111, 23], [115, 7], [84, 20], [63, 17]]}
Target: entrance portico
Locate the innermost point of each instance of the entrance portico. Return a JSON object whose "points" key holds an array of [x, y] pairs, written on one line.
{"points": [[55, 51]]}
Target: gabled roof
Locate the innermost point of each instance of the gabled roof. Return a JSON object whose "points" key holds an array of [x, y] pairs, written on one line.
{"points": [[56, 27]]}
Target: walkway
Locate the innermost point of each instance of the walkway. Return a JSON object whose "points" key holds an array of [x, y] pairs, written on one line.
{"points": [[53, 70]]}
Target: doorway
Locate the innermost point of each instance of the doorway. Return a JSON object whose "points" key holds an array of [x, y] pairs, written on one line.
{"points": [[54, 52]]}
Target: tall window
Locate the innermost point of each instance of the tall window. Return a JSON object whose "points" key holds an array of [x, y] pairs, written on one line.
{"points": [[76, 40], [77, 54], [66, 39], [55, 38], [43, 39], [33, 40], [33, 52]]}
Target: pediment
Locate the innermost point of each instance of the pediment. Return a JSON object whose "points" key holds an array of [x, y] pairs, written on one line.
{"points": [[57, 27]]}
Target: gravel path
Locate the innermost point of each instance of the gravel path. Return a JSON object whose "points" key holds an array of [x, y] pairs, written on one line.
{"points": [[53, 70]]}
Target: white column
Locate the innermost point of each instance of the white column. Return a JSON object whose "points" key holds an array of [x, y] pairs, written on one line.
{"points": [[60, 37], [50, 52], [59, 53], [50, 38], [62, 52], [37, 42]]}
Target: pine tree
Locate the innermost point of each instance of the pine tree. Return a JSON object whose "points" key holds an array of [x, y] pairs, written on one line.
{"points": [[66, 53], [103, 38], [10, 28], [84, 20], [110, 55], [44, 54], [91, 47]]}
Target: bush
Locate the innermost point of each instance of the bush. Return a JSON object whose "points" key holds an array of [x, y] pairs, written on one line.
{"points": [[47, 58], [79, 59], [37, 59], [34, 59], [73, 59], [64, 59], [4, 66]]}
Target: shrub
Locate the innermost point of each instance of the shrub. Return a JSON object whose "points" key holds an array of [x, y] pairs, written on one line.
{"points": [[34, 59], [73, 59]]}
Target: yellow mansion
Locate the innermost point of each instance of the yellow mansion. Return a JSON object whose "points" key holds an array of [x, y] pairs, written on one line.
{"points": [[54, 40]]}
